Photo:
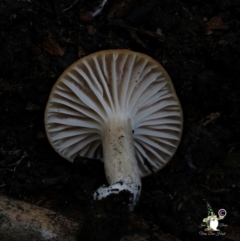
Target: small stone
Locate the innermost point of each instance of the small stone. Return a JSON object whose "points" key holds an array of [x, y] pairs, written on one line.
{"points": [[86, 17], [91, 30]]}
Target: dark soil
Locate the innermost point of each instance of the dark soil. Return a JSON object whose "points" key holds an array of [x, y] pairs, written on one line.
{"points": [[197, 42]]}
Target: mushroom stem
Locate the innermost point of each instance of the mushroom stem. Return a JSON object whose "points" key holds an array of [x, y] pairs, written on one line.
{"points": [[120, 162]]}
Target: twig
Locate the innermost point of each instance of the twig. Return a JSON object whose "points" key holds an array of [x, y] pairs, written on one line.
{"points": [[122, 24], [186, 10], [2, 184], [69, 6], [221, 190], [4, 163], [99, 9]]}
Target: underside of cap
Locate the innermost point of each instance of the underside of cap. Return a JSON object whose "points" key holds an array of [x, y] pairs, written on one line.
{"points": [[113, 82]]}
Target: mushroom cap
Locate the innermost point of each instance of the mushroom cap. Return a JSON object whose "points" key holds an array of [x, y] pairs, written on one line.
{"points": [[109, 82]]}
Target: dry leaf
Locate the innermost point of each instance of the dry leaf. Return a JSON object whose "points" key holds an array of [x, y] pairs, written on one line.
{"points": [[52, 47]]}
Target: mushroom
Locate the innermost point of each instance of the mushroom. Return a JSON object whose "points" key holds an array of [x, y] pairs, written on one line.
{"points": [[120, 105]]}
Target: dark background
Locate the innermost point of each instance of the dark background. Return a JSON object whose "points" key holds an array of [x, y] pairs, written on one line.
{"points": [[197, 42]]}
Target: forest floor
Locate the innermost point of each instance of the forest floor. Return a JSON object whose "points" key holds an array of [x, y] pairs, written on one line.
{"points": [[197, 42]]}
